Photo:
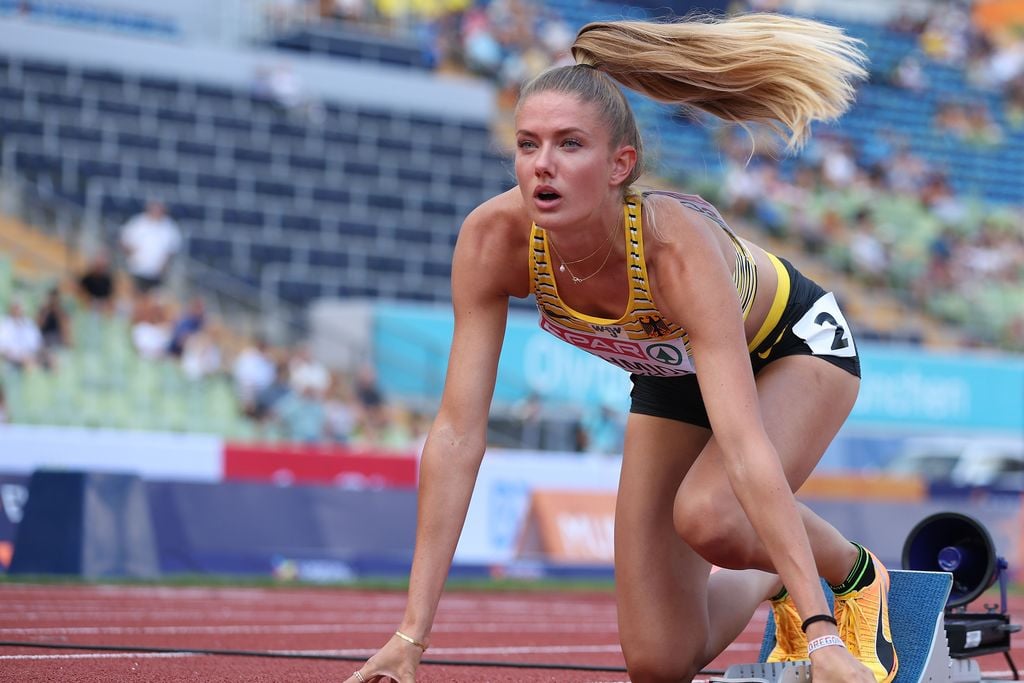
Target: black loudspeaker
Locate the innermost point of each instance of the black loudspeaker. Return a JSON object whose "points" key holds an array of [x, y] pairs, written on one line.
{"points": [[955, 543], [958, 544]]}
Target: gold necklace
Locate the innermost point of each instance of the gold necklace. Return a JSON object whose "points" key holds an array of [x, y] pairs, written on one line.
{"points": [[564, 267]]}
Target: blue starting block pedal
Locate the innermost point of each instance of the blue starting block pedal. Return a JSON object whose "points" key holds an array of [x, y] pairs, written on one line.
{"points": [[917, 602]]}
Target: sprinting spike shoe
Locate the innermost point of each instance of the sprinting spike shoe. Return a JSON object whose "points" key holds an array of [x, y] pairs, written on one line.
{"points": [[863, 618], [790, 640]]}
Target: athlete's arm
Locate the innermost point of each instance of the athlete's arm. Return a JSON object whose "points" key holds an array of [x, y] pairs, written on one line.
{"points": [[484, 272], [693, 285]]}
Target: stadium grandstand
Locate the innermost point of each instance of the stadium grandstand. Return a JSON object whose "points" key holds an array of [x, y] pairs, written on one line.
{"points": [[278, 135]]}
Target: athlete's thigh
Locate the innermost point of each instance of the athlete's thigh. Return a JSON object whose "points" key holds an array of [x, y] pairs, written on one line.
{"points": [[804, 401], [661, 584]]}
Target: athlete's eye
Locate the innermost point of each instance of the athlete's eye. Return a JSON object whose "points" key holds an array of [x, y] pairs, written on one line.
{"points": [[572, 142], [525, 144]]}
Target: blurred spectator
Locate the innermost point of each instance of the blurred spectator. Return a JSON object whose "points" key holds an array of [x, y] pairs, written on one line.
{"points": [[253, 372], [54, 324], [20, 339], [345, 10], [201, 355], [909, 74], [301, 416], [191, 321], [5, 416], [938, 196], [838, 162], [342, 410], [262, 406], [283, 14], [281, 85], [869, 257], [367, 390], [982, 130], [96, 283], [308, 375], [151, 333], [150, 241], [1013, 107]]}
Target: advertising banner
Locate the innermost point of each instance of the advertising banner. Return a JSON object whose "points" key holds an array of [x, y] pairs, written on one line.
{"points": [[504, 486], [909, 389], [569, 527], [151, 455], [288, 464]]}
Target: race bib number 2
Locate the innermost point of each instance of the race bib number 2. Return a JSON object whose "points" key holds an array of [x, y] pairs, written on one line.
{"points": [[825, 329]]}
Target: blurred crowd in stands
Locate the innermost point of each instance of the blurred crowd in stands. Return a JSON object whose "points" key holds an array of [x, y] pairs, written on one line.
{"points": [[283, 392], [888, 217], [505, 41], [877, 210]]}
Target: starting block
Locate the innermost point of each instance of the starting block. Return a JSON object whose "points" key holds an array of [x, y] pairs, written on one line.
{"points": [[917, 602]]}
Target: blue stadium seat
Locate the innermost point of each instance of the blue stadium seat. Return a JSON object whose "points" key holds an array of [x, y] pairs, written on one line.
{"points": [[331, 195], [386, 264], [138, 141], [299, 292], [17, 125], [211, 250], [307, 162], [300, 223], [247, 217], [77, 133], [263, 253], [158, 175], [349, 228], [364, 169], [193, 148], [217, 181], [329, 258], [274, 188]]}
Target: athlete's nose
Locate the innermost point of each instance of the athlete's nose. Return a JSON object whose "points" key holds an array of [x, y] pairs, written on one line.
{"points": [[543, 164]]}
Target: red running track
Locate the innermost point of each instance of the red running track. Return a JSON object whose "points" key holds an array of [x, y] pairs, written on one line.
{"points": [[532, 627]]}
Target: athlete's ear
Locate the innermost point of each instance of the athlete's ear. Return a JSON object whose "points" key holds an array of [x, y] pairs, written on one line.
{"points": [[623, 162]]}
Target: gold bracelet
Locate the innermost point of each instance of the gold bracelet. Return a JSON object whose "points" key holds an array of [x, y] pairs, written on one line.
{"points": [[411, 641]]}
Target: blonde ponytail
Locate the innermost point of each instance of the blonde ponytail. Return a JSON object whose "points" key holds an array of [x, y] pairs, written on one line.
{"points": [[781, 71]]}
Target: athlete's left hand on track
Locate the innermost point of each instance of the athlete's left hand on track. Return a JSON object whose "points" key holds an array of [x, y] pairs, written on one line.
{"points": [[396, 661]]}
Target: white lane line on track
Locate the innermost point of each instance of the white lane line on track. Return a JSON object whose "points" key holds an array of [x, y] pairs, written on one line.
{"points": [[104, 655], [298, 628], [498, 650]]}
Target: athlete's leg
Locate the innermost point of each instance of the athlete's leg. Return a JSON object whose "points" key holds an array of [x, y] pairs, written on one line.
{"points": [[804, 402], [660, 583], [662, 586]]}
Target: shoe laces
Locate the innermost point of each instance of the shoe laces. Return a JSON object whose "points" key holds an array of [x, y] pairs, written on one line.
{"points": [[787, 626], [851, 615]]}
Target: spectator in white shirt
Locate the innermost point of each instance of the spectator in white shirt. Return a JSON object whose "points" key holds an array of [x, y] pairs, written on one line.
{"points": [[20, 339], [150, 240], [253, 371]]}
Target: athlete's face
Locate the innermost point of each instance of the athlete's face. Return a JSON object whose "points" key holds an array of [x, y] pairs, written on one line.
{"points": [[567, 168]]}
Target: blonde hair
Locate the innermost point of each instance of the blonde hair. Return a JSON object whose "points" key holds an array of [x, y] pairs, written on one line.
{"points": [[784, 72]]}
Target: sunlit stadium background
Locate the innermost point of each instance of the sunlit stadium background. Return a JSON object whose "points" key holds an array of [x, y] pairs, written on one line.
{"points": [[317, 159]]}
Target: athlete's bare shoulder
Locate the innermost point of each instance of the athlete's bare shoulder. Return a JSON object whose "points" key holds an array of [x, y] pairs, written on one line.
{"points": [[502, 217], [493, 243], [670, 217]]}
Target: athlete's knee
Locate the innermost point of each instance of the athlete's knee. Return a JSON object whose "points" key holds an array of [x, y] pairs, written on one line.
{"points": [[717, 531], [651, 666]]}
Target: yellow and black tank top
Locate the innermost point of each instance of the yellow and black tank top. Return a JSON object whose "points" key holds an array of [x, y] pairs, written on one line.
{"points": [[641, 341]]}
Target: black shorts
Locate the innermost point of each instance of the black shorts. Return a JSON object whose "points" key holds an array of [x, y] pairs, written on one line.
{"points": [[804, 321]]}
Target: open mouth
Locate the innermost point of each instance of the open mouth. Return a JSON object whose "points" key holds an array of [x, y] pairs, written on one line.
{"points": [[547, 195]]}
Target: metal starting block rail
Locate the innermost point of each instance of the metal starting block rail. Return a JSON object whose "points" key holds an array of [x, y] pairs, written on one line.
{"points": [[917, 602]]}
